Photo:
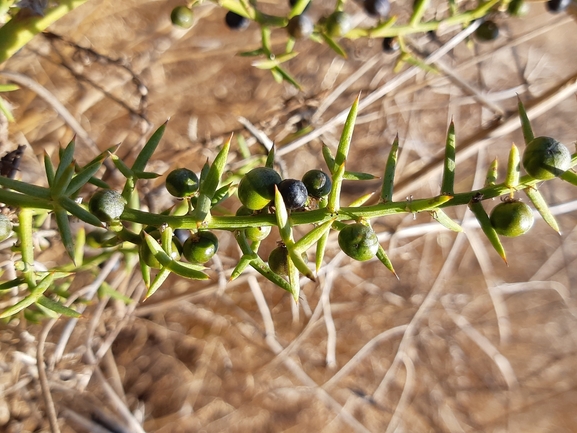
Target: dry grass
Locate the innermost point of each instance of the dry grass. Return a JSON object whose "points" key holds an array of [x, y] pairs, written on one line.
{"points": [[460, 343]]}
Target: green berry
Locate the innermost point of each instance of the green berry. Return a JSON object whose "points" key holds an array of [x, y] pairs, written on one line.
{"points": [[545, 158], [317, 183], [278, 261], [107, 205], [338, 24], [200, 247], [5, 227], [377, 8], [512, 218], [181, 16], [300, 27], [358, 241], [182, 182], [487, 31], [518, 8], [254, 234], [256, 188]]}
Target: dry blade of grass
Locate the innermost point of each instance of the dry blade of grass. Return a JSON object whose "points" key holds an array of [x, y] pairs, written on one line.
{"points": [[484, 344]]}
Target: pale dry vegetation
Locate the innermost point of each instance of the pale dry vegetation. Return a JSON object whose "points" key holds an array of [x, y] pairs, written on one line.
{"points": [[460, 343]]}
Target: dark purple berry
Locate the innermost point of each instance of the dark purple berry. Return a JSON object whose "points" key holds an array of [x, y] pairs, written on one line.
{"points": [[300, 27], [235, 21], [556, 6], [182, 235], [294, 193], [390, 45], [377, 8]]}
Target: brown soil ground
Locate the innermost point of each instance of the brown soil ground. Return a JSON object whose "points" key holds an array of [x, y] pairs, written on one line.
{"points": [[460, 343]]}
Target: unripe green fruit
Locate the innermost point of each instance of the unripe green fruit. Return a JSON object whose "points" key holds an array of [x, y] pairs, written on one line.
{"points": [[200, 247], [358, 241], [182, 182], [256, 188], [338, 24], [317, 183], [545, 158], [107, 205], [518, 8], [278, 260], [254, 234], [512, 218], [181, 16], [5, 227]]}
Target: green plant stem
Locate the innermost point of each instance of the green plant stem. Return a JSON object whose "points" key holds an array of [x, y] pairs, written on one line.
{"points": [[320, 216], [21, 29], [423, 27], [25, 220]]}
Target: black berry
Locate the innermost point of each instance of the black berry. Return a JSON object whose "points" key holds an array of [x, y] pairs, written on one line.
{"points": [[390, 45], [294, 193], [487, 31], [235, 21], [300, 27], [556, 6], [377, 8]]}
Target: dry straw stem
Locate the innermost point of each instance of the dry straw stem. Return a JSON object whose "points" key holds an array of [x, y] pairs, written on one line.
{"points": [[470, 146], [430, 300], [556, 261], [483, 342], [376, 95], [407, 393], [433, 80], [562, 291], [499, 304], [291, 365], [327, 284], [262, 307], [87, 292], [47, 96]]}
